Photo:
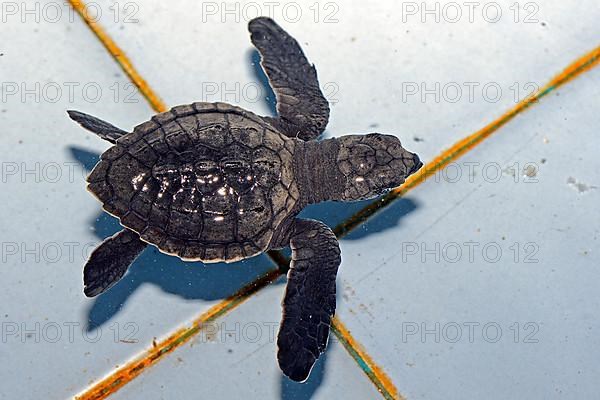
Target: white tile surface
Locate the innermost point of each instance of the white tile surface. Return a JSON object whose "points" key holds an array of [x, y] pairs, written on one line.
{"points": [[402, 272], [366, 61], [235, 357]]}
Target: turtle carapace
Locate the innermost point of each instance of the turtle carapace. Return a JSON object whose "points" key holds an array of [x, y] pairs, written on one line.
{"points": [[212, 182]]}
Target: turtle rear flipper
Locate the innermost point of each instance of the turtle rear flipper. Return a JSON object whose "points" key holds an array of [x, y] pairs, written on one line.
{"points": [[309, 302], [109, 261], [302, 108], [101, 128]]}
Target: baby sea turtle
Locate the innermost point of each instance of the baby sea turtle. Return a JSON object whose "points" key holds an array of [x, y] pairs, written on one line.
{"points": [[212, 182]]}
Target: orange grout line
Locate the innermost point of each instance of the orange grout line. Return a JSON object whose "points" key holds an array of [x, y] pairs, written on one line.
{"points": [[123, 375], [458, 149], [120, 56], [384, 384], [116, 380]]}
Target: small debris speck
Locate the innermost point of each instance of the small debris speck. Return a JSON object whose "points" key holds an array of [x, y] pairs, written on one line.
{"points": [[579, 186], [530, 171], [418, 139]]}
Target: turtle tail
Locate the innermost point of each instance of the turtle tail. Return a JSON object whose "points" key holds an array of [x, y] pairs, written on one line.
{"points": [[101, 128]]}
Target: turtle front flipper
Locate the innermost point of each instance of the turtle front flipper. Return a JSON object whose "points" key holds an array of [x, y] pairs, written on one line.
{"points": [[309, 302], [101, 128], [302, 108], [109, 261]]}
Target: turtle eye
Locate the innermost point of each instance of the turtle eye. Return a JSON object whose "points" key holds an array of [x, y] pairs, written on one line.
{"points": [[362, 158], [363, 164]]}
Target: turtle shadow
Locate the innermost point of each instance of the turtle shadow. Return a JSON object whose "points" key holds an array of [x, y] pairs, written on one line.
{"points": [[291, 390], [188, 280], [259, 74], [333, 213]]}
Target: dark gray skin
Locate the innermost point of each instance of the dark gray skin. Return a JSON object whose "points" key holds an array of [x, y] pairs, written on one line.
{"points": [[213, 182]]}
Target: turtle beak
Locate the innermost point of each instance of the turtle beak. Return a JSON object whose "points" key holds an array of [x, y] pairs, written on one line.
{"points": [[417, 164]]}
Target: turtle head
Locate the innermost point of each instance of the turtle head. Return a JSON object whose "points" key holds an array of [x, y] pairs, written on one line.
{"points": [[373, 164]]}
